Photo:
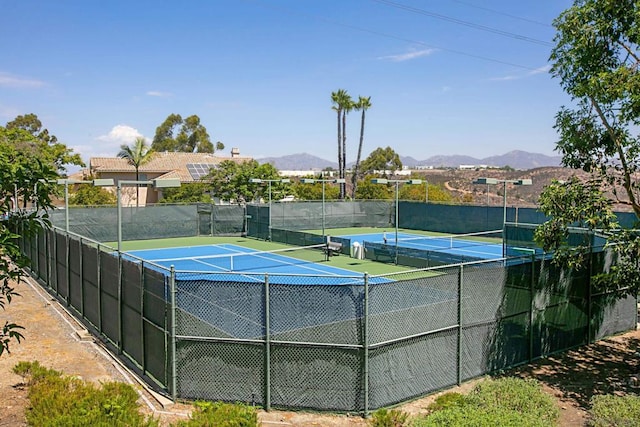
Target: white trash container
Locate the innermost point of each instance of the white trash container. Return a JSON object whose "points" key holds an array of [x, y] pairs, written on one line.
{"points": [[356, 251]]}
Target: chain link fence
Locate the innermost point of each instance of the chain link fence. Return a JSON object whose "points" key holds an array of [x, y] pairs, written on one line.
{"points": [[344, 343]]}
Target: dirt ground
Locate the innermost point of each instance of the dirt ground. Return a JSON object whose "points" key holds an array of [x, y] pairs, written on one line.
{"points": [[57, 341]]}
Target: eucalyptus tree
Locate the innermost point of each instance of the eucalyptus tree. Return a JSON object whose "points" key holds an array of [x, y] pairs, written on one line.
{"points": [[137, 155], [187, 135], [46, 145]]}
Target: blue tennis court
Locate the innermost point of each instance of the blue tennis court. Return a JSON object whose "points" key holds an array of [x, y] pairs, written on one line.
{"points": [[454, 245], [233, 263], [231, 303]]}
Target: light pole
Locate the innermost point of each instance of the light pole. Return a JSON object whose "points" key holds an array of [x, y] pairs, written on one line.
{"points": [[66, 182], [504, 182], [156, 183], [426, 191], [397, 182], [269, 181], [323, 181]]}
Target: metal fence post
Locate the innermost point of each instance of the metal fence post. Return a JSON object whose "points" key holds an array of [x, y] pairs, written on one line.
{"points": [[99, 283], [532, 288], [172, 312], [143, 362], [120, 332], [459, 344], [68, 265], [267, 347], [590, 334], [81, 271], [47, 254], [365, 333]]}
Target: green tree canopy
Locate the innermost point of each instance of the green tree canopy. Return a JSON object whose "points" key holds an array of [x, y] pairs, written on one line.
{"points": [[187, 135], [43, 144], [231, 181], [89, 195], [27, 176], [313, 191], [596, 60], [370, 191], [381, 160], [190, 192]]}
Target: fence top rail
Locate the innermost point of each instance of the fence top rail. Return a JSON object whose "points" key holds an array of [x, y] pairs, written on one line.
{"points": [[81, 237], [442, 267], [245, 273]]}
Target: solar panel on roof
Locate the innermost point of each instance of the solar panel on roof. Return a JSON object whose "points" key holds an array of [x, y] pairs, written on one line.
{"points": [[199, 170]]}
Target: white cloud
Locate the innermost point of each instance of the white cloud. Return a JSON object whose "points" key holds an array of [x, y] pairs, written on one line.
{"points": [[109, 144], [9, 80], [121, 134], [540, 70], [159, 94], [506, 78], [408, 56]]}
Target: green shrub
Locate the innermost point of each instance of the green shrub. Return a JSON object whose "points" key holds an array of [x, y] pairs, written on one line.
{"points": [[608, 410], [502, 402], [521, 395], [447, 400], [221, 414], [473, 416], [388, 418], [66, 401]]}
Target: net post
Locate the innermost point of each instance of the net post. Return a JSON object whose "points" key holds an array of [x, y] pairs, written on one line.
{"points": [[172, 292], [267, 346]]}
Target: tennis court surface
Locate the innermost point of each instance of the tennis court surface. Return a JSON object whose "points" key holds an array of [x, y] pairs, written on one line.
{"points": [[306, 265], [481, 246]]}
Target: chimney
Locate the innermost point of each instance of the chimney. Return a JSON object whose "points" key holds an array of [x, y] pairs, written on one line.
{"points": [[235, 152]]}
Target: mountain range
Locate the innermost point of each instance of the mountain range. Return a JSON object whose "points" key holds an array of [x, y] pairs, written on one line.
{"points": [[516, 159]]}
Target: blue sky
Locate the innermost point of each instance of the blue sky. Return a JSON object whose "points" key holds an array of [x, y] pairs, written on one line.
{"points": [[444, 76]]}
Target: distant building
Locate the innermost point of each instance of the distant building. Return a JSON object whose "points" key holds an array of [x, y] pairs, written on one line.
{"points": [[472, 167], [187, 167], [310, 172]]}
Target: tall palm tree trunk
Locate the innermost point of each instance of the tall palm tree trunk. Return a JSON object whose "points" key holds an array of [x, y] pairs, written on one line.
{"points": [[343, 171], [339, 142], [354, 178], [137, 188]]}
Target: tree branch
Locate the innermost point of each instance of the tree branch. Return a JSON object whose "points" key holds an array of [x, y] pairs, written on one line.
{"points": [[623, 158]]}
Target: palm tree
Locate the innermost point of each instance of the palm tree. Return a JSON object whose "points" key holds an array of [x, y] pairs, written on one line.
{"points": [[347, 106], [342, 105], [363, 105], [337, 100], [137, 155]]}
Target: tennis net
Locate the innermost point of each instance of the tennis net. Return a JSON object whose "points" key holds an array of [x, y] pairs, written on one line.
{"points": [[244, 259], [430, 251], [452, 241]]}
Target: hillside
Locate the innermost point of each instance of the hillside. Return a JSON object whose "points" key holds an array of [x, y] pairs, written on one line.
{"points": [[516, 159], [460, 184]]}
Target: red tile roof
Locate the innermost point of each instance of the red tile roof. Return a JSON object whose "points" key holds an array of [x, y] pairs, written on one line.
{"points": [[171, 164]]}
